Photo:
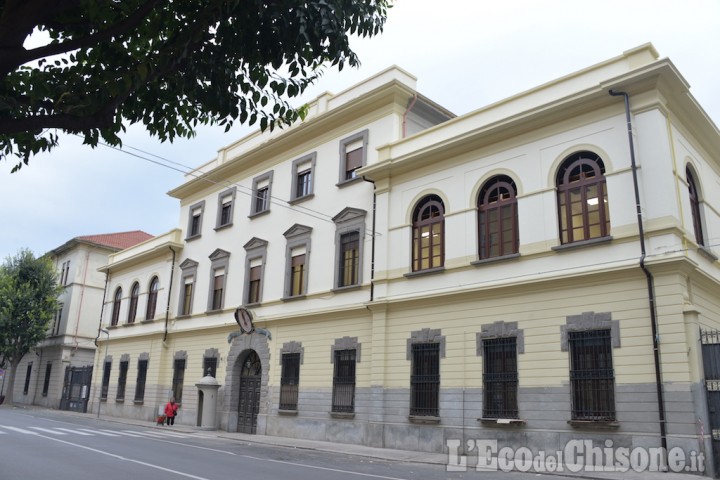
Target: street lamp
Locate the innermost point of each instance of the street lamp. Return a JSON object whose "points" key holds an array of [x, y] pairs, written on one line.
{"points": [[107, 342]]}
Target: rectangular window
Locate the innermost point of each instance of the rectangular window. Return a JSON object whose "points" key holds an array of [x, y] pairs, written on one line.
{"points": [[592, 378], [297, 275], [210, 366], [289, 380], [262, 197], [28, 373], [500, 378], [353, 161], [254, 285], [122, 380], [425, 379], [195, 220], [343, 396], [218, 286], [46, 382], [261, 193], [140, 384], [187, 297], [178, 379], [105, 381], [64, 273], [304, 183], [225, 211], [349, 259], [57, 320]]}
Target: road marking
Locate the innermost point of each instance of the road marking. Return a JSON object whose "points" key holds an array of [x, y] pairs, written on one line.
{"points": [[47, 430], [127, 434], [76, 432], [349, 472], [119, 457], [20, 430], [98, 432]]}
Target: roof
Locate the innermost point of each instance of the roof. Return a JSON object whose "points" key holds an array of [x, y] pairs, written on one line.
{"points": [[120, 240], [113, 241]]}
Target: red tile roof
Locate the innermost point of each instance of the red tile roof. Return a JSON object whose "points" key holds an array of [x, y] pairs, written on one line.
{"points": [[120, 240]]}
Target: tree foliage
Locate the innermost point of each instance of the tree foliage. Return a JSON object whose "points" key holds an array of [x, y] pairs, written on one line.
{"points": [[28, 301], [168, 64]]}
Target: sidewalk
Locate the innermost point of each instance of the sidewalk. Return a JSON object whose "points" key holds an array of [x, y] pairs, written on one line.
{"points": [[386, 454]]}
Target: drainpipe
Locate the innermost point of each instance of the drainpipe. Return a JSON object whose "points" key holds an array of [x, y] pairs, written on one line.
{"points": [[102, 306], [167, 308], [649, 277], [411, 104], [372, 248]]}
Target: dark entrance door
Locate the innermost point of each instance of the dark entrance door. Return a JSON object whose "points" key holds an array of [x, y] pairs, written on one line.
{"points": [[249, 404], [76, 389], [710, 340]]}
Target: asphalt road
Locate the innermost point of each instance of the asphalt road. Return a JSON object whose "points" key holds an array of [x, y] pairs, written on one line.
{"points": [[43, 444]]}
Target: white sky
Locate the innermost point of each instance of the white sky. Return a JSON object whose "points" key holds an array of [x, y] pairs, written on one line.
{"points": [[465, 53]]}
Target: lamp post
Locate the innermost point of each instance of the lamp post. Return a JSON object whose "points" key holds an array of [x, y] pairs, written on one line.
{"points": [[107, 342]]}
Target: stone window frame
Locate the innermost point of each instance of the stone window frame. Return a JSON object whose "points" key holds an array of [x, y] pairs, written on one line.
{"points": [[253, 198], [179, 355], [590, 321], [105, 387], [124, 359], [230, 192], [220, 259], [296, 236], [255, 248], [349, 220], [309, 158], [426, 335], [193, 207], [345, 343], [143, 357], [291, 347], [211, 353], [189, 269], [363, 136]]}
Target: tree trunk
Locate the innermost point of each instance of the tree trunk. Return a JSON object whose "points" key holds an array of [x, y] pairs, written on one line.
{"points": [[10, 385]]}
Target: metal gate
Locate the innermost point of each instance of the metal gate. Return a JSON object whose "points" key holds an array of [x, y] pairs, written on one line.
{"points": [[710, 340], [76, 389], [249, 403]]}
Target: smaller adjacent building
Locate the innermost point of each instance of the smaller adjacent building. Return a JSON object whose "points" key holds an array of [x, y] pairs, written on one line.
{"points": [[57, 373]]}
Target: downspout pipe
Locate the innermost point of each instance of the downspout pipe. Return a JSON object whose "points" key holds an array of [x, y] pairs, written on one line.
{"points": [[372, 241], [102, 307], [167, 307], [648, 276]]}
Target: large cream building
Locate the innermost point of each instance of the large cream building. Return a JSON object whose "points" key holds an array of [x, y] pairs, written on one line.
{"points": [[535, 271]]}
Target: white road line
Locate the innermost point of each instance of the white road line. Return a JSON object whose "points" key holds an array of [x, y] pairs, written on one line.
{"points": [[47, 430], [348, 472], [98, 432], [156, 434], [20, 430], [76, 432], [125, 433]]}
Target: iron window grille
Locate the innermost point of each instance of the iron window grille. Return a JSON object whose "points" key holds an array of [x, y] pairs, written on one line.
{"points": [[583, 209], [498, 218], [152, 298], [500, 378], [289, 381], [350, 259], [28, 373], [105, 381], [141, 377], [428, 237], [343, 395], [134, 294], [210, 366], [122, 380], [592, 378], [425, 379], [178, 379], [46, 382]]}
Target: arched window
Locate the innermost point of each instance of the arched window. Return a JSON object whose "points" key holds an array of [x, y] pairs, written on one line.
{"points": [[583, 210], [497, 218], [116, 307], [695, 207], [134, 294], [152, 298], [428, 240]]}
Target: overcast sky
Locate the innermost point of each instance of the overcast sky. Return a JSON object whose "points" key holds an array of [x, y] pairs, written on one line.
{"points": [[465, 53]]}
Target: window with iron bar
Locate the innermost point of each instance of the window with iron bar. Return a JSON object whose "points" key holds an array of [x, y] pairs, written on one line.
{"points": [[178, 379], [105, 380], [28, 373], [425, 379], [500, 378], [46, 383], [122, 380], [592, 378], [210, 366], [343, 396], [289, 380], [140, 384]]}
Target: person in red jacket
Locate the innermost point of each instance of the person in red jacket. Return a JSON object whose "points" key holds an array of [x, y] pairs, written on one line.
{"points": [[170, 411]]}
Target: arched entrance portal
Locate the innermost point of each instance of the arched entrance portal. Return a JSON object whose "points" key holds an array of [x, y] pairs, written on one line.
{"points": [[249, 403]]}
